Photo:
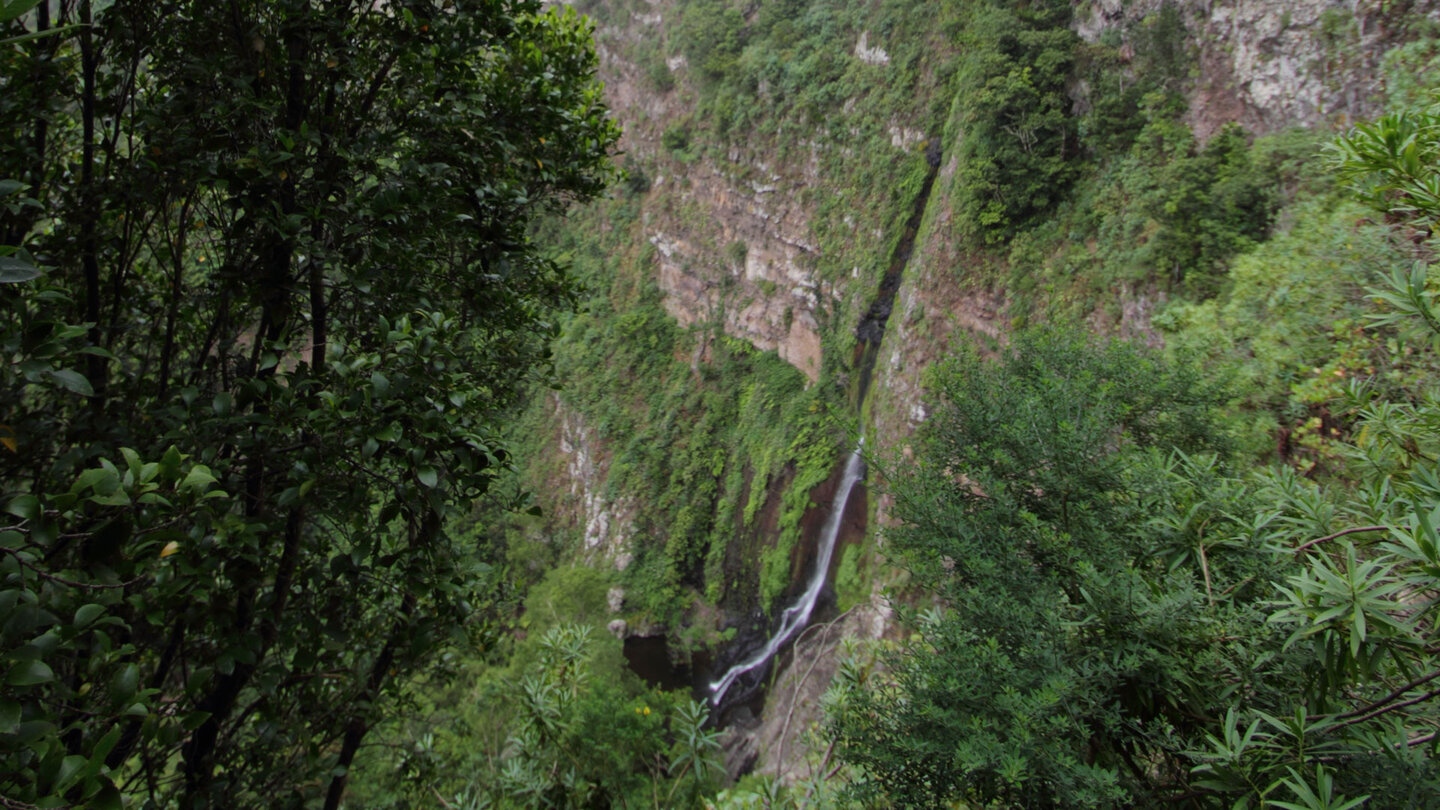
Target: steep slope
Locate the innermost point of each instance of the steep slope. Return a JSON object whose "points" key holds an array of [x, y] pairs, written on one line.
{"points": [[778, 158]]}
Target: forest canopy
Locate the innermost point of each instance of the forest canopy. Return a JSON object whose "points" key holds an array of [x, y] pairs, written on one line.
{"points": [[268, 292]]}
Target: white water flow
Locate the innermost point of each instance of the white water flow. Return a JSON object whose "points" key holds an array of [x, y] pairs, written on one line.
{"points": [[795, 616]]}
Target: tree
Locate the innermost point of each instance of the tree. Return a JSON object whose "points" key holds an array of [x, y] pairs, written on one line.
{"points": [[1017, 143], [1050, 669], [288, 299], [711, 36]]}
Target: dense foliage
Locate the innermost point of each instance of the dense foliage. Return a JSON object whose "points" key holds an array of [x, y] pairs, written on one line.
{"points": [[1122, 620], [1070, 167], [1065, 639], [288, 294], [1018, 150], [554, 721], [290, 299]]}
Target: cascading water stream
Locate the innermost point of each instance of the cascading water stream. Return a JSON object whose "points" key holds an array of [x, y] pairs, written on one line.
{"points": [[797, 615], [867, 347]]}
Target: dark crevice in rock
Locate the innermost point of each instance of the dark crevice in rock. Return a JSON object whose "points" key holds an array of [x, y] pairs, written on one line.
{"points": [[871, 331]]}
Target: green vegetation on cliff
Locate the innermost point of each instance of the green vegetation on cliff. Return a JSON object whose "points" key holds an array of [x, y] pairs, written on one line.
{"points": [[1123, 616], [1183, 627], [702, 427], [1111, 540], [1159, 630]]}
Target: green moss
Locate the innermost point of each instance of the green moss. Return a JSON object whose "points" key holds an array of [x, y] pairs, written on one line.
{"points": [[850, 587], [568, 595]]}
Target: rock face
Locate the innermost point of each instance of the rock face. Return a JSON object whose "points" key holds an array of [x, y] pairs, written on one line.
{"points": [[933, 311], [734, 237], [734, 233], [1272, 64], [870, 55], [606, 524], [744, 265]]}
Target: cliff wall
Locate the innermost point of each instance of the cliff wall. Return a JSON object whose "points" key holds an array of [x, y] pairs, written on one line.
{"points": [[764, 209]]}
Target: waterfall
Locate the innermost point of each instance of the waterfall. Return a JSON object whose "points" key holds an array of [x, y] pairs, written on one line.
{"points": [[797, 615], [868, 336]]}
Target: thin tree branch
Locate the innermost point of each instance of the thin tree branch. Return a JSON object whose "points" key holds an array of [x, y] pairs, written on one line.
{"points": [[1392, 707], [1421, 681], [1205, 569], [1355, 530], [826, 627], [67, 582]]}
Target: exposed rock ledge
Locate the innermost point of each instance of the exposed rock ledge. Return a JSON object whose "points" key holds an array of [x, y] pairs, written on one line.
{"points": [[780, 743], [768, 296]]}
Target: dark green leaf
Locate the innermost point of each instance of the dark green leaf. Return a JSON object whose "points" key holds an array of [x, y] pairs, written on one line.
{"points": [[25, 507], [29, 673], [87, 614], [108, 798], [9, 715], [198, 479], [102, 749], [74, 381], [14, 8], [32, 730], [194, 720], [125, 683], [70, 769], [13, 271]]}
